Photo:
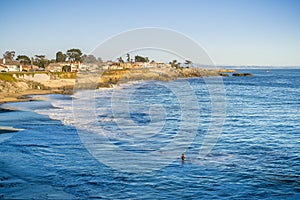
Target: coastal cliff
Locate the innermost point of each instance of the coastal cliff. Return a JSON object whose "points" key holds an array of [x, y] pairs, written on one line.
{"points": [[17, 86], [109, 78]]}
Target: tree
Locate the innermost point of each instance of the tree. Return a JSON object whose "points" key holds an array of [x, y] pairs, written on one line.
{"points": [[41, 61], [66, 68], [175, 64], [9, 55], [60, 57], [52, 61], [74, 55], [100, 59], [188, 63], [138, 58], [89, 59], [128, 57], [120, 60], [23, 59]]}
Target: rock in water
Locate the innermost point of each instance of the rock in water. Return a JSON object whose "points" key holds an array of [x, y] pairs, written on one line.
{"points": [[242, 74]]}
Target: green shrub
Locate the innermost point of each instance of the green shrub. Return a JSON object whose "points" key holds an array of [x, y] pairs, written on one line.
{"points": [[65, 75], [7, 77]]}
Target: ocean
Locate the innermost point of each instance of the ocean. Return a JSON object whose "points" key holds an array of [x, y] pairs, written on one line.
{"points": [[240, 137]]}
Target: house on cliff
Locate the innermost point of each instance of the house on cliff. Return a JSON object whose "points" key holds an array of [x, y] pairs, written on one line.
{"points": [[28, 68], [3, 68], [63, 67], [54, 67], [11, 65], [109, 65], [159, 65]]}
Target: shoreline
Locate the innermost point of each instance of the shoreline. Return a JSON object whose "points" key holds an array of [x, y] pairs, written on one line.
{"points": [[109, 78], [22, 93], [25, 96]]}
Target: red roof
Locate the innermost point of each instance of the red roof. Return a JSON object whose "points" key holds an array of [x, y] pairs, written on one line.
{"points": [[1, 65]]}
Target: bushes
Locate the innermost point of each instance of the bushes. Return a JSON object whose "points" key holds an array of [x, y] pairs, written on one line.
{"points": [[64, 75], [7, 77]]}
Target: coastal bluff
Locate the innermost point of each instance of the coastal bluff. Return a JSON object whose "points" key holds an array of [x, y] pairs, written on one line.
{"points": [[109, 78], [17, 86]]}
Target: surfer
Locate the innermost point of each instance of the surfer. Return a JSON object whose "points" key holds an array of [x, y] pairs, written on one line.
{"points": [[182, 157]]}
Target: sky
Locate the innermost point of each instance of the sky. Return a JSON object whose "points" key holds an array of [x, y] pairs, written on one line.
{"points": [[232, 32]]}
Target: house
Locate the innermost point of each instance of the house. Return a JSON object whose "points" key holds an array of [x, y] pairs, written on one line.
{"points": [[109, 65], [54, 67], [114, 67], [3, 68], [34, 67], [12, 65], [75, 66], [63, 67], [88, 67], [159, 65], [126, 65], [26, 68]]}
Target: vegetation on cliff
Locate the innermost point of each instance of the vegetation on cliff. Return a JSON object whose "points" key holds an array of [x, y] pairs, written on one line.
{"points": [[7, 77]]}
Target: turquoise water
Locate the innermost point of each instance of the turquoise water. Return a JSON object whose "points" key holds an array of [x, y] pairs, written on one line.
{"points": [[257, 154]]}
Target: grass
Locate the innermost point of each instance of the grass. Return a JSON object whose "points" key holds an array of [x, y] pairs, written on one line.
{"points": [[7, 77], [65, 75], [21, 74], [11, 76]]}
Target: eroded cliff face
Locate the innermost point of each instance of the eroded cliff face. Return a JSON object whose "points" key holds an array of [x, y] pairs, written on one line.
{"points": [[19, 86], [66, 83], [19, 89], [108, 78], [160, 74]]}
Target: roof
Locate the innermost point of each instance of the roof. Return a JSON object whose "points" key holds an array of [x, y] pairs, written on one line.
{"points": [[54, 65], [9, 62], [1, 65], [12, 62]]}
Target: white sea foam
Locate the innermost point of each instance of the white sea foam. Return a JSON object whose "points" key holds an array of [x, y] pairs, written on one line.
{"points": [[61, 110], [80, 110]]}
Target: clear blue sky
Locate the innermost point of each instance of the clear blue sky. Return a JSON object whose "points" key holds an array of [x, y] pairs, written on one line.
{"points": [[233, 32]]}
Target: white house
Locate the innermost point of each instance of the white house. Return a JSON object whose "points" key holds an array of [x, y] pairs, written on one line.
{"points": [[54, 67], [3, 68], [12, 65]]}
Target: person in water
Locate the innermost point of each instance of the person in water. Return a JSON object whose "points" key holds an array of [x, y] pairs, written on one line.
{"points": [[182, 157]]}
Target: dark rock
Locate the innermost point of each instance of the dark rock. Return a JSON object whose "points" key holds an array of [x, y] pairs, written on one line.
{"points": [[242, 74], [223, 74]]}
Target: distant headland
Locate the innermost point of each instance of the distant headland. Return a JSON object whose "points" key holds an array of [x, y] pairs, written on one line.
{"points": [[24, 76]]}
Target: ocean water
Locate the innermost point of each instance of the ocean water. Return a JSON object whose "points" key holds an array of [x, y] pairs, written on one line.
{"points": [[126, 142]]}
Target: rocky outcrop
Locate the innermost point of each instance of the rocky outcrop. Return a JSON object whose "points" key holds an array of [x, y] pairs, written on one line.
{"points": [[19, 90], [19, 86], [109, 78], [161, 74], [36, 77], [227, 70], [223, 74], [242, 74]]}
